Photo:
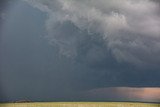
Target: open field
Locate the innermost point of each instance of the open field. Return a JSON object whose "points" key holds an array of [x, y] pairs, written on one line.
{"points": [[79, 104]]}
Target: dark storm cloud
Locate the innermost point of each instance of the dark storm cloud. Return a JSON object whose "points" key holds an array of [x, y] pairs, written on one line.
{"points": [[114, 42], [126, 26], [156, 1], [109, 37], [3, 8], [92, 45], [3, 3]]}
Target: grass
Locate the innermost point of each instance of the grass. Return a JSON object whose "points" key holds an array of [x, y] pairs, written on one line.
{"points": [[79, 104]]}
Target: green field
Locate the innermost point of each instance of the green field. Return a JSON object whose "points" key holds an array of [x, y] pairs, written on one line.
{"points": [[79, 104]]}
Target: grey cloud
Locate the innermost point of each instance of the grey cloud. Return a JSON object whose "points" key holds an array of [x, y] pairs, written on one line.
{"points": [[129, 28], [156, 1], [101, 48]]}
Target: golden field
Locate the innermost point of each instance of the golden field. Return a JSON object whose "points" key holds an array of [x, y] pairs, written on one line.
{"points": [[79, 104]]}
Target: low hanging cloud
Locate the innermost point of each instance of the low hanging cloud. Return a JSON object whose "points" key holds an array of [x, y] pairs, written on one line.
{"points": [[130, 29]]}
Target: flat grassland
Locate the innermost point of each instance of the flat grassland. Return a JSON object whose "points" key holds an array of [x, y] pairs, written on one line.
{"points": [[79, 104]]}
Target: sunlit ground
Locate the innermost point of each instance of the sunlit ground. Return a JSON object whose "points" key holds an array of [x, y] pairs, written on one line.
{"points": [[80, 104]]}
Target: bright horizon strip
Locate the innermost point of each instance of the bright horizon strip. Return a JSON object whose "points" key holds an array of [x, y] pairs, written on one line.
{"points": [[143, 94], [132, 94]]}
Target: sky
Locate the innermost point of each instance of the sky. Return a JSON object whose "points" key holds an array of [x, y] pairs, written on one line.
{"points": [[80, 50]]}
